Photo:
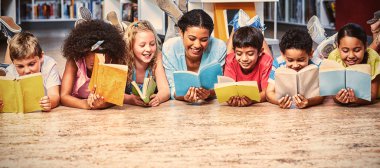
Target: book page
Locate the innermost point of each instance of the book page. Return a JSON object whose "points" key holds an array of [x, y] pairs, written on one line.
{"points": [[32, 88], [330, 65], [363, 68], [308, 81], [183, 80], [223, 79], [208, 75], [285, 82], [149, 89]]}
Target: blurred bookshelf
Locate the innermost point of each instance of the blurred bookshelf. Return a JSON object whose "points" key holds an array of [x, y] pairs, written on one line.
{"points": [[57, 10], [298, 12]]}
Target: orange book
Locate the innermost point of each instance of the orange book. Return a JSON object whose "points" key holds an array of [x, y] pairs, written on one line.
{"points": [[109, 79]]}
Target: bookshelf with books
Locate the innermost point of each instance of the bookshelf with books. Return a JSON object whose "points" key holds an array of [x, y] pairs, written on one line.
{"points": [[298, 12], [57, 10]]}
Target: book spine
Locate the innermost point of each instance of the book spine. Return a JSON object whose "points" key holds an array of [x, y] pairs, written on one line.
{"points": [[19, 97]]}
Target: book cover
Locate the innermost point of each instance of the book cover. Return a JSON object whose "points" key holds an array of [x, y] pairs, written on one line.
{"points": [[334, 77], [22, 94], [290, 82], [148, 89], [110, 80], [206, 78], [227, 87]]}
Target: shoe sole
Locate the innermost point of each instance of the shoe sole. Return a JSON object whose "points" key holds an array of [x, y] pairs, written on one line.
{"points": [[112, 17], [10, 24], [85, 13]]}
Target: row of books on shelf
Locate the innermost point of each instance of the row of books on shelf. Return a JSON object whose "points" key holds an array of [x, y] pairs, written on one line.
{"points": [[55, 9]]}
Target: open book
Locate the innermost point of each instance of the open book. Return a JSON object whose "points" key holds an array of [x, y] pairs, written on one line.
{"points": [[206, 78], [290, 82], [22, 94], [110, 80], [149, 86], [334, 77], [227, 87]]}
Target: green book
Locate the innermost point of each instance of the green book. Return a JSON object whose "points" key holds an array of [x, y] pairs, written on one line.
{"points": [[149, 86]]}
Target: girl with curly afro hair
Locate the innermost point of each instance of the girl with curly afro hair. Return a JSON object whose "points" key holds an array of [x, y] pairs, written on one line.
{"points": [[79, 52], [144, 59]]}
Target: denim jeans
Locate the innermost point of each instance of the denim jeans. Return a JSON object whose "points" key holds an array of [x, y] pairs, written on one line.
{"points": [[174, 12]]}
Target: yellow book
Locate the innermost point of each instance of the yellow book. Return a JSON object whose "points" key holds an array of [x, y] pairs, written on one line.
{"points": [[22, 94], [227, 87], [149, 86], [110, 80]]}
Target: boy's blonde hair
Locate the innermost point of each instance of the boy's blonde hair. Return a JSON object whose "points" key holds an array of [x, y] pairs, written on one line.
{"points": [[24, 45], [130, 35]]}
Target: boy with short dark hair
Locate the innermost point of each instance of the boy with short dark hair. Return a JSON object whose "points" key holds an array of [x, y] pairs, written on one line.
{"points": [[247, 61], [296, 53]]}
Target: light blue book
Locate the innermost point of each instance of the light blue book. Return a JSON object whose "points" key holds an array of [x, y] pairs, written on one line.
{"points": [[206, 78], [333, 77]]}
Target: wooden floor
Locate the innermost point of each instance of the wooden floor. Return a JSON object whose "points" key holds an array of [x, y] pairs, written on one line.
{"points": [[176, 134]]}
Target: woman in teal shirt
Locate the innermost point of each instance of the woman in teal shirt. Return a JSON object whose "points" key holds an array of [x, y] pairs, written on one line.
{"points": [[191, 51]]}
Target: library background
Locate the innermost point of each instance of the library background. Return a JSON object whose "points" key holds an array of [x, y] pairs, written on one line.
{"points": [[55, 18]]}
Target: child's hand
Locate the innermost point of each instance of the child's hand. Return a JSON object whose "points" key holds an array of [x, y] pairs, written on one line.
{"points": [[285, 102], [136, 100], [45, 104], [351, 96], [154, 100], [202, 93], [300, 101], [233, 101], [342, 96], [98, 102], [191, 95], [245, 101]]}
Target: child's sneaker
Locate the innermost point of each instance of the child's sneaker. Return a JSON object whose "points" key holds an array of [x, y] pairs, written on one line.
{"points": [[242, 19], [327, 45], [112, 17], [315, 29], [85, 14], [79, 21], [9, 27]]}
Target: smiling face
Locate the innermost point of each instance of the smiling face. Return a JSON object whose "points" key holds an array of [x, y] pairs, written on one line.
{"points": [[195, 40], [144, 46], [351, 50], [247, 58], [296, 59], [28, 65]]}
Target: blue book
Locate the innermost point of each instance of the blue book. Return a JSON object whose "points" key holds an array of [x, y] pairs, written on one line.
{"points": [[206, 78], [333, 77]]}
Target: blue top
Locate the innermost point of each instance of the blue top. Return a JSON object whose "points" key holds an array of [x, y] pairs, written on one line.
{"points": [[128, 89], [173, 53], [280, 62]]}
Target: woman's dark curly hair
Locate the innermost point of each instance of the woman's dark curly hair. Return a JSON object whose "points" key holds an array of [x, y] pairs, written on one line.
{"points": [[80, 40], [296, 39]]}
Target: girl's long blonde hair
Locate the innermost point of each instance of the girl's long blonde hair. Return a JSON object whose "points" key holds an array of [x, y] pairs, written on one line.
{"points": [[130, 35]]}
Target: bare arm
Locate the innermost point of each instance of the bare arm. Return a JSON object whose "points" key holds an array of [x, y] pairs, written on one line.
{"points": [[271, 94], [162, 82], [53, 94], [67, 87]]}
